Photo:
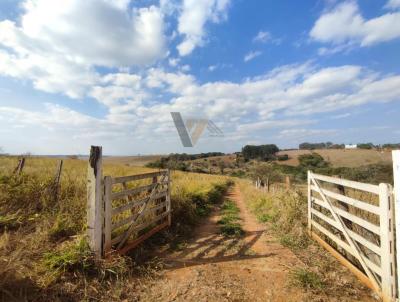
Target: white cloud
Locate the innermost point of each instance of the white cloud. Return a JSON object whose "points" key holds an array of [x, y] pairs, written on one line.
{"points": [[212, 67], [185, 68], [58, 44], [344, 24], [280, 100], [193, 18], [262, 36], [251, 55], [393, 4], [173, 62], [303, 133], [292, 90], [270, 124], [340, 116]]}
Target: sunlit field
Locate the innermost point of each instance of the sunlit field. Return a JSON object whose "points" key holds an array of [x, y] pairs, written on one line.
{"points": [[42, 240]]}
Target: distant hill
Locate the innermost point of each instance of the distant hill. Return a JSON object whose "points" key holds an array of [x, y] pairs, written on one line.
{"points": [[342, 157]]}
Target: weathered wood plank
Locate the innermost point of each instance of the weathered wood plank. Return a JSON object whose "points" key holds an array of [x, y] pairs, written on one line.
{"points": [[107, 214], [94, 200], [127, 220], [360, 221], [136, 190], [122, 179], [350, 201], [128, 206], [360, 275], [139, 227], [359, 255], [345, 246], [131, 228], [348, 183], [143, 238]]}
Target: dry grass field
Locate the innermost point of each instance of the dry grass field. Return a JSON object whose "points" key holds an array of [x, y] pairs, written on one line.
{"points": [[43, 251], [342, 157]]}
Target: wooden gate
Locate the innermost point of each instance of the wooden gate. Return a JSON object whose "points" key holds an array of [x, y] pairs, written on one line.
{"points": [[137, 211], [124, 211], [355, 222]]}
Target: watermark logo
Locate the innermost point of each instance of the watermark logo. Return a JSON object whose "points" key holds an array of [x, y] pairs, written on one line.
{"points": [[191, 129]]}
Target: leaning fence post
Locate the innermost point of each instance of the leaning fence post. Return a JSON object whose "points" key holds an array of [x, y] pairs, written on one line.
{"points": [[396, 180], [387, 241], [309, 199], [20, 166], [94, 200]]}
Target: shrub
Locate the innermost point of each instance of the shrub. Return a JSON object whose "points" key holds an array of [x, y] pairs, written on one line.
{"points": [[282, 157], [312, 161]]}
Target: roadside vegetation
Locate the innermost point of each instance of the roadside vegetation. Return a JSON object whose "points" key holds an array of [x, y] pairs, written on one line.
{"points": [[285, 213], [43, 249]]}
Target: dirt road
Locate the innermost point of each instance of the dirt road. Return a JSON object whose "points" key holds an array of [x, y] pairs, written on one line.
{"points": [[212, 267]]}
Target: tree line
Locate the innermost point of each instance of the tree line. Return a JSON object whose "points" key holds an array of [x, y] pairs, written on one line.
{"points": [[330, 145]]}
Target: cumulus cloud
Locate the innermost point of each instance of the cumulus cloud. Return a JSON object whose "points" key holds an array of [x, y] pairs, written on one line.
{"points": [[283, 99], [193, 18], [58, 44], [393, 4], [344, 24], [251, 55]]}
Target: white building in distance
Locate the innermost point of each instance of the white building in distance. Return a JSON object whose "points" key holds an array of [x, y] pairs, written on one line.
{"points": [[350, 146]]}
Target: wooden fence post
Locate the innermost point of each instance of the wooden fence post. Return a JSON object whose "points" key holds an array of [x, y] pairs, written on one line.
{"points": [[94, 200], [107, 214], [387, 242], [396, 179], [20, 166], [287, 181], [57, 178]]}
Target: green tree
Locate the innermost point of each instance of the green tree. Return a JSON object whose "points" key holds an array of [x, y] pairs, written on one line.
{"points": [[312, 161], [262, 152]]}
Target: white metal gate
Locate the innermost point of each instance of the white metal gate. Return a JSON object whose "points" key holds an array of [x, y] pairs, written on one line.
{"points": [[356, 226]]}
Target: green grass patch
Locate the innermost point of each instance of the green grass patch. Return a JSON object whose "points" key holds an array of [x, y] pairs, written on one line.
{"points": [[74, 255], [230, 220], [306, 279], [264, 217]]}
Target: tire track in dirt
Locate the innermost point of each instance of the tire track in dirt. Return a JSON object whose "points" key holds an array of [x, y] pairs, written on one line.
{"points": [[212, 267]]}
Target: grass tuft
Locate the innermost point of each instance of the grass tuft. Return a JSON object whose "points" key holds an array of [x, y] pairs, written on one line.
{"points": [[306, 279], [230, 220], [73, 255]]}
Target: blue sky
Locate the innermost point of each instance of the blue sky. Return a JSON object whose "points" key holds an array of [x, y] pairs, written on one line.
{"points": [[101, 72]]}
